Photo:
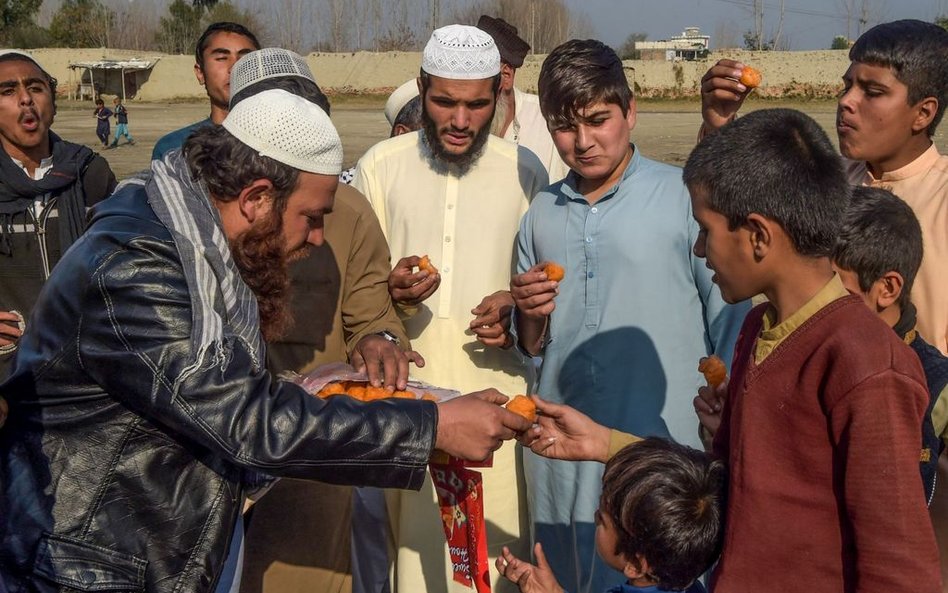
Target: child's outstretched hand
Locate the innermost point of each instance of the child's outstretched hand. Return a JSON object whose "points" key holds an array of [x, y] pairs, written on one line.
{"points": [[563, 432], [530, 578]]}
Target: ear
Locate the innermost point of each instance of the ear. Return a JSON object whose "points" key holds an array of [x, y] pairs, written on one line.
{"points": [[632, 115], [400, 129], [255, 200], [761, 234], [886, 290], [635, 569], [506, 77], [199, 74], [926, 109], [421, 88]]}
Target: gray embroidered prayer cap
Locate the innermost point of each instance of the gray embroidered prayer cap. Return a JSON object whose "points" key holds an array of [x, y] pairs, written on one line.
{"points": [[461, 52], [269, 62], [289, 129]]}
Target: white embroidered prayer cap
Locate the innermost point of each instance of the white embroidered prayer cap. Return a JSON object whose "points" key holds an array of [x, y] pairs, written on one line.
{"points": [[269, 62], [288, 129], [399, 98], [461, 52]]}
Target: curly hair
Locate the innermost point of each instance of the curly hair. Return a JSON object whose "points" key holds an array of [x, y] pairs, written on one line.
{"points": [[227, 165]]}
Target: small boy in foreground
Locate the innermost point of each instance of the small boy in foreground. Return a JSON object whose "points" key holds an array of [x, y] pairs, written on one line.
{"points": [[822, 424], [659, 521]]}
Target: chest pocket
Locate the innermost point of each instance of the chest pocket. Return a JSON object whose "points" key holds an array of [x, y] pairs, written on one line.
{"points": [[81, 566]]}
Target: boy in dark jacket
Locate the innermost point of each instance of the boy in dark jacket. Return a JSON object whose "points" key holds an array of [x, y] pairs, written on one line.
{"points": [[102, 128], [46, 185], [877, 256]]}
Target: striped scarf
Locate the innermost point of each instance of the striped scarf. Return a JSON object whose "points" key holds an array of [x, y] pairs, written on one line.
{"points": [[214, 283]]}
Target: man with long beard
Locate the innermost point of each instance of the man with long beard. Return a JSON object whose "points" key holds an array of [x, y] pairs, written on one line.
{"points": [[455, 193], [141, 412]]}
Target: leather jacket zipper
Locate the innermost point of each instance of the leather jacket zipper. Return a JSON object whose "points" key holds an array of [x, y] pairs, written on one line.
{"points": [[39, 227]]}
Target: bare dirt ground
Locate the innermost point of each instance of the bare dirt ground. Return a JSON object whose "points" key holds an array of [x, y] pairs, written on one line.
{"points": [[665, 130]]}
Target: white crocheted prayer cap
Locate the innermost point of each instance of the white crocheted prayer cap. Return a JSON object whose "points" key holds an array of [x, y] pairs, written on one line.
{"points": [[288, 129], [269, 62], [399, 98], [461, 52]]}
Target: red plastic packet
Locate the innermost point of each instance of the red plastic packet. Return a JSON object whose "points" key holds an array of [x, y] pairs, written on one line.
{"points": [[461, 500]]}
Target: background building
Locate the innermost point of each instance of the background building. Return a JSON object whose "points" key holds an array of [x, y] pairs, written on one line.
{"points": [[690, 45]]}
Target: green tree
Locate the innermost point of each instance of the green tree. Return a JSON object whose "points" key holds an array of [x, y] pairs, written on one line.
{"points": [[840, 42], [226, 11], [178, 31], [82, 23], [753, 42], [942, 21], [15, 15], [627, 50]]}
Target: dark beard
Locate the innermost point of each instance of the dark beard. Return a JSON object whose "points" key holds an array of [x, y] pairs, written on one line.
{"points": [[261, 257], [445, 161]]}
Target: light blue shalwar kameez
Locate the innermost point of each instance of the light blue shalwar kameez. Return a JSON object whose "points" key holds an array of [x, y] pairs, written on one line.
{"points": [[634, 314]]}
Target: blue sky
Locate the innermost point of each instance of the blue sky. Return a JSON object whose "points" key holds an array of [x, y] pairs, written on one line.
{"points": [[808, 24]]}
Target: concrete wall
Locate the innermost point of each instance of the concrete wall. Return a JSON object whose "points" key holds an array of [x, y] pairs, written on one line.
{"points": [[796, 74]]}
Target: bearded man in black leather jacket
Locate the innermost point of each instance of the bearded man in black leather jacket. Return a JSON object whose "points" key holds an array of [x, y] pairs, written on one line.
{"points": [[140, 409]]}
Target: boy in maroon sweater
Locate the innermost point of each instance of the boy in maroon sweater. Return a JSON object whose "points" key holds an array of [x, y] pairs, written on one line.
{"points": [[822, 422]]}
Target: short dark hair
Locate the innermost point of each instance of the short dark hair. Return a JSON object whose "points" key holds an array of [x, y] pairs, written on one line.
{"points": [[918, 54], [667, 503], [99, 101], [577, 74], [409, 115], [880, 234], [778, 163], [50, 80], [223, 26], [296, 85], [209, 146]]}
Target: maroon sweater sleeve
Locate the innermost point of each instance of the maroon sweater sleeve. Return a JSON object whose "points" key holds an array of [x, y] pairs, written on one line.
{"points": [[876, 428]]}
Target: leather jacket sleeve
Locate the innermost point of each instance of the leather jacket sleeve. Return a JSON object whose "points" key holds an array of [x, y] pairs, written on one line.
{"points": [[135, 343]]}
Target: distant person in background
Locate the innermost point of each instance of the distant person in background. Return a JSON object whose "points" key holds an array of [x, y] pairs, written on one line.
{"points": [[217, 50], [518, 116], [121, 123], [102, 127], [403, 112], [46, 186], [403, 109]]}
